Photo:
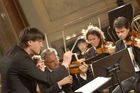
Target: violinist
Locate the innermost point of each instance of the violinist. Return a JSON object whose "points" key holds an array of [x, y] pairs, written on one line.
{"points": [[122, 28], [51, 88], [82, 46], [51, 60], [96, 38]]}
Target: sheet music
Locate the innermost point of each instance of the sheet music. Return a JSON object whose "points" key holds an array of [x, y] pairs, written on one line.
{"points": [[93, 85]]}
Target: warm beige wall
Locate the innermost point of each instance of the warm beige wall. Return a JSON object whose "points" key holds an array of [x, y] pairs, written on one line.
{"points": [[72, 15], [55, 16], [75, 20], [52, 15], [30, 13]]}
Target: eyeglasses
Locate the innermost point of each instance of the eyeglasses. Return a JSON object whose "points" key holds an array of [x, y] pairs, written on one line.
{"points": [[53, 61]]}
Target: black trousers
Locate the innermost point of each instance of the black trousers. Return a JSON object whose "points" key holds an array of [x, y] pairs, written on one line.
{"points": [[132, 83], [137, 83]]}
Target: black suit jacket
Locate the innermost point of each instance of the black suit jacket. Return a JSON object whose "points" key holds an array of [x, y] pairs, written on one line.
{"points": [[91, 52], [120, 45], [19, 73], [77, 83], [52, 88]]}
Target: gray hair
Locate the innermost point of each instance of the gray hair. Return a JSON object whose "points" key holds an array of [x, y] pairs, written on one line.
{"points": [[48, 52]]}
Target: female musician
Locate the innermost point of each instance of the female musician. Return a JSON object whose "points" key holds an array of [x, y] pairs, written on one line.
{"points": [[97, 40], [82, 46]]}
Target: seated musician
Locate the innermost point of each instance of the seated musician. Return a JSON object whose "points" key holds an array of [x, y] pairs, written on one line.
{"points": [[54, 88], [82, 47], [123, 31], [51, 62], [96, 38]]}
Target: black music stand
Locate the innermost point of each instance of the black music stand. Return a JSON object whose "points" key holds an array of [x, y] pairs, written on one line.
{"points": [[125, 10], [125, 66], [97, 57], [121, 61]]}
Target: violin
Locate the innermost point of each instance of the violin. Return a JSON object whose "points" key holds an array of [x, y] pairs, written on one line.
{"points": [[105, 47], [74, 67], [132, 39]]}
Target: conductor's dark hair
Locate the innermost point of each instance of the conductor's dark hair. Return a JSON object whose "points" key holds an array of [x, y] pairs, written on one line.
{"points": [[29, 34]]}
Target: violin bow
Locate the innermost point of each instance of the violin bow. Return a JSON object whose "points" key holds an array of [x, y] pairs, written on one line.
{"points": [[46, 39], [64, 41], [99, 22], [65, 47]]}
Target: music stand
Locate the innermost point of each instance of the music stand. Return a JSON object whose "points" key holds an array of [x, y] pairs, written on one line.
{"points": [[100, 69], [126, 68], [97, 57], [125, 10]]}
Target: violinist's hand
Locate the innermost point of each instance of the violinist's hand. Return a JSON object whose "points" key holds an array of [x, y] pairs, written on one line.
{"points": [[41, 65], [138, 43], [67, 59], [81, 60], [111, 50], [83, 69], [66, 80]]}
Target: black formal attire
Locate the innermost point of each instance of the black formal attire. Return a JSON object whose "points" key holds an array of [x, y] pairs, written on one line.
{"points": [[91, 52], [19, 73], [132, 82], [77, 82]]}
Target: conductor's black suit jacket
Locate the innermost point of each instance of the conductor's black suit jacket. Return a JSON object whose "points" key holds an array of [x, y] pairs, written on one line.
{"points": [[19, 73], [54, 88], [77, 83]]}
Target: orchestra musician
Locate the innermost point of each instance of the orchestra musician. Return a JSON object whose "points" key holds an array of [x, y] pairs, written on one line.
{"points": [[82, 46], [51, 88], [96, 38], [123, 31], [51, 60], [18, 71]]}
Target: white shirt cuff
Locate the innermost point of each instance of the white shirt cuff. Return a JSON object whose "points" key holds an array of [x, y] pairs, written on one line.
{"points": [[60, 87], [84, 77]]}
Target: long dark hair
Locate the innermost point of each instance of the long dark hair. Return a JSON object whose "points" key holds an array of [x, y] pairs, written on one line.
{"points": [[98, 34]]}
